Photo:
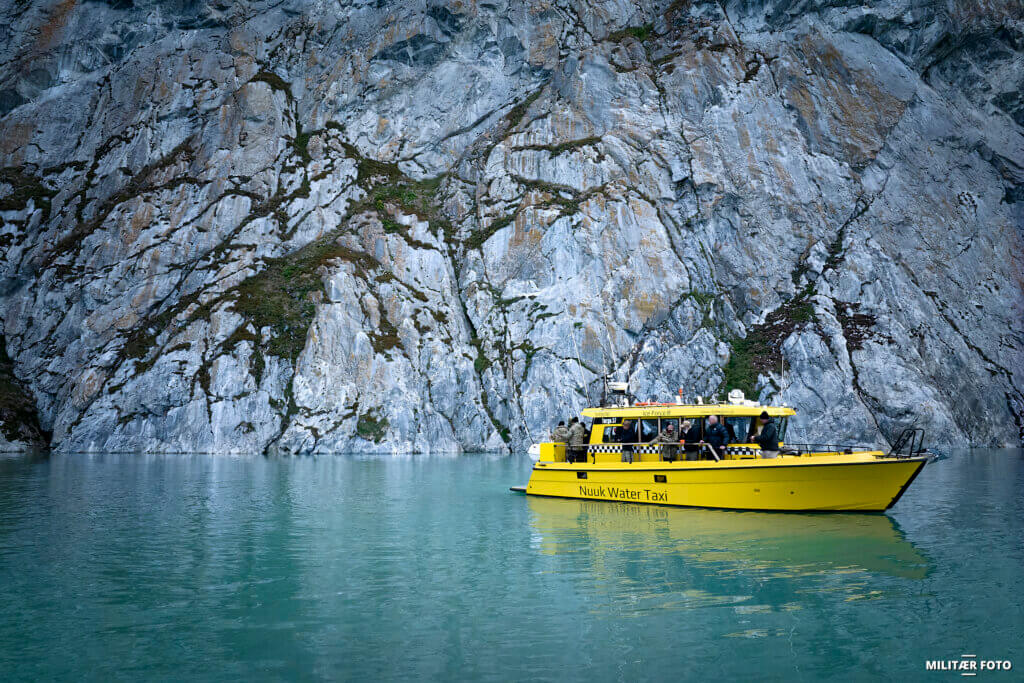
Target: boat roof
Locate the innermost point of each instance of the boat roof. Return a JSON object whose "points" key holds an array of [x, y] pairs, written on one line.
{"points": [[637, 410]]}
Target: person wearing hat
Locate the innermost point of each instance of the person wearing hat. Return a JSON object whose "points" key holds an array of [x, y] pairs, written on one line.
{"points": [[669, 440], [768, 439], [560, 434], [577, 451]]}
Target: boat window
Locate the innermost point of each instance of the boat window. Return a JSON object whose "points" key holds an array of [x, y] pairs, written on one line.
{"points": [[738, 428], [782, 428], [648, 430], [608, 435], [755, 429]]}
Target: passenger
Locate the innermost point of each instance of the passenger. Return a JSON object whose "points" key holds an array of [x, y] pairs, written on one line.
{"points": [[670, 442], [626, 435], [717, 436], [577, 451], [560, 434], [691, 435], [768, 440]]}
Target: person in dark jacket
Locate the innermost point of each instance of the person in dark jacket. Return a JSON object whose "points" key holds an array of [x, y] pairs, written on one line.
{"points": [[626, 435], [691, 436], [768, 440], [717, 436]]}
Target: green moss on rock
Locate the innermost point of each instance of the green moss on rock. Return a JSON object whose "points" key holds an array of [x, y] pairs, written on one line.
{"points": [[281, 295], [640, 33], [515, 115], [760, 352], [19, 420], [301, 145], [478, 238], [25, 189], [274, 81], [372, 428]]}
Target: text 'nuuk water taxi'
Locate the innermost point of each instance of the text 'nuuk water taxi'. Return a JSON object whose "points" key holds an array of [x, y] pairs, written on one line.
{"points": [[721, 459]]}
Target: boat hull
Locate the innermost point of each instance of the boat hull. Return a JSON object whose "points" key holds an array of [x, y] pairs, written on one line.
{"points": [[830, 483]]}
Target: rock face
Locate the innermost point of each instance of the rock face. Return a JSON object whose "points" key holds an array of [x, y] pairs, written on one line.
{"points": [[321, 227], [19, 426]]}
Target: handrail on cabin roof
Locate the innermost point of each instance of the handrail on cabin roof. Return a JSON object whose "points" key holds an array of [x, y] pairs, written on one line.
{"points": [[675, 410]]}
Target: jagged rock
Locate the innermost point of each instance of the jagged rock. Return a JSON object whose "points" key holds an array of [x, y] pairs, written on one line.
{"points": [[296, 227]]}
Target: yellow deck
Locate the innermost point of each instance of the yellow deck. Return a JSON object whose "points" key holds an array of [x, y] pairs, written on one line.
{"points": [[858, 481]]}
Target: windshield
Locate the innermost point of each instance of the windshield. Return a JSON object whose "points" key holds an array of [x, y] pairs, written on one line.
{"points": [[608, 435], [738, 428], [648, 430]]}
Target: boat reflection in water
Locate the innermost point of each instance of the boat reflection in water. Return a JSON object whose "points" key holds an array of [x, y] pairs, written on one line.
{"points": [[773, 545]]}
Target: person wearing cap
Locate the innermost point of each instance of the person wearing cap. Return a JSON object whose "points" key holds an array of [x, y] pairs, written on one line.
{"points": [[560, 434], [768, 439], [669, 440], [577, 451], [691, 437]]}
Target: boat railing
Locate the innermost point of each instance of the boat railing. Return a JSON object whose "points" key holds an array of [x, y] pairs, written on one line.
{"points": [[702, 447], [711, 451], [908, 444], [809, 448]]}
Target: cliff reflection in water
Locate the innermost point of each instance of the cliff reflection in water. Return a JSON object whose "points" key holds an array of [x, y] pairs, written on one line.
{"points": [[718, 543]]}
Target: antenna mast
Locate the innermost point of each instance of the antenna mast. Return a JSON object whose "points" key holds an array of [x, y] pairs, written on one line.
{"points": [[579, 365]]}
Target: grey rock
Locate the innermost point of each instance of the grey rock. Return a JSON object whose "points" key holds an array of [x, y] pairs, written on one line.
{"points": [[303, 228]]}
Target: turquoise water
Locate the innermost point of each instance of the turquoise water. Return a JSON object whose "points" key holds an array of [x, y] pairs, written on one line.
{"points": [[217, 568]]}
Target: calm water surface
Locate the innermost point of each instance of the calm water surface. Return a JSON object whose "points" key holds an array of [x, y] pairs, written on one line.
{"points": [[215, 567]]}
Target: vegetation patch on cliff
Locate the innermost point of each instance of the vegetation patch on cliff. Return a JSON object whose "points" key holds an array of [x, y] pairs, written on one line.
{"points": [[477, 238], [372, 428], [19, 420], [388, 187], [24, 189], [274, 81], [857, 327], [281, 296], [515, 115], [152, 177], [760, 352], [641, 33]]}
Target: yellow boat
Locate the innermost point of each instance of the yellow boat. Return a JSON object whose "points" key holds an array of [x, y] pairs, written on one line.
{"points": [[803, 477]]}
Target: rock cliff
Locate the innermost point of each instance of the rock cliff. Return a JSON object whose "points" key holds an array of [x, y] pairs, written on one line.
{"points": [[311, 226]]}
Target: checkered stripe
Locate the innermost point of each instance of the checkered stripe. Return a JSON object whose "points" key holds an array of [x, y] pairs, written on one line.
{"points": [[742, 450], [617, 448]]}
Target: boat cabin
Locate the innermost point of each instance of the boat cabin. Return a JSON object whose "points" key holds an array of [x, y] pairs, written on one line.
{"points": [[739, 416]]}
